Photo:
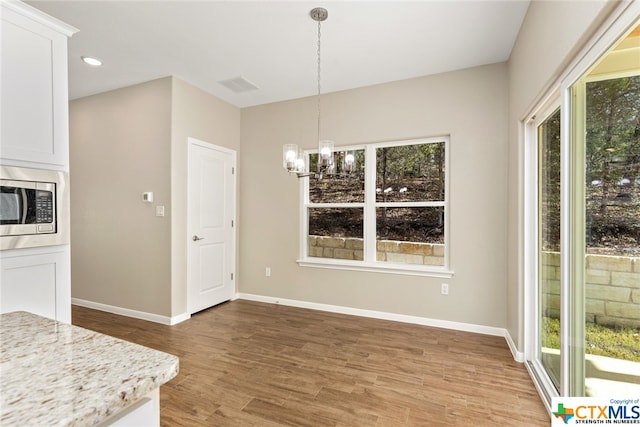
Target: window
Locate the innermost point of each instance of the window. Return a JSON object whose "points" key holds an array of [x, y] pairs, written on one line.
{"points": [[389, 214]]}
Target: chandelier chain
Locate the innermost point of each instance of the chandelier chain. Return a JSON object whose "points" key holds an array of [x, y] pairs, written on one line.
{"points": [[319, 70]]}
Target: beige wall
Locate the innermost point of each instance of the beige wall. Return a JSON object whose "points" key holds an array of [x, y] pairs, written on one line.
{"points": [[199, 115], [123, 143], [471, 106], [551, 35], [134, 139], [119, 148]]}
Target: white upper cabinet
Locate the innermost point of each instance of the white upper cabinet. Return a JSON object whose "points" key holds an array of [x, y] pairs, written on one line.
{"points": [[34, 92]]}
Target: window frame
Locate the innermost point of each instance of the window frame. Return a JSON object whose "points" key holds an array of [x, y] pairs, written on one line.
{"points": [[369, 207]]}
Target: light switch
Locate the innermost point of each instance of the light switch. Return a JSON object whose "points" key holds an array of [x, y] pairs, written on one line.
{"points": [[159, 210]]}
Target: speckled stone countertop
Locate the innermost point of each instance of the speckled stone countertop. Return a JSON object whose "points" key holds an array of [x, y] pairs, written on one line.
{"points": [[55, 374]]}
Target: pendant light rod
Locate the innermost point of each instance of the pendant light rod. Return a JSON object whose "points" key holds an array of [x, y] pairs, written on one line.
{"points": [[325, 148], [319, 15]]}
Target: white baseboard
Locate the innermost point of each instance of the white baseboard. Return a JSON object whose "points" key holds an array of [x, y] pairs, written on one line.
{"points": [[424, 321], [518, 356], [446, 324], [165, 320]]}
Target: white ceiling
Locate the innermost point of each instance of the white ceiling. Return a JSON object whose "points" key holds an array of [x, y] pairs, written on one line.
{"points": [[273, 43]]}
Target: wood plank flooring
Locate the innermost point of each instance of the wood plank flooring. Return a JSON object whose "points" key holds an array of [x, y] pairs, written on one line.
{"points": [[245, 363]]}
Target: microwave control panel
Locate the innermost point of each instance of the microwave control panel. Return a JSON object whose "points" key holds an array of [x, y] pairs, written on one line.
{"points": [[44, 207]]}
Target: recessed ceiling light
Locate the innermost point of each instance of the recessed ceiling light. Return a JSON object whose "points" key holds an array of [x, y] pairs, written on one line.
{"points": [[91, 61]]}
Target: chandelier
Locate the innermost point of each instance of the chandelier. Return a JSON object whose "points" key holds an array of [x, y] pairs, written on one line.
{"points": [[293, 159]]}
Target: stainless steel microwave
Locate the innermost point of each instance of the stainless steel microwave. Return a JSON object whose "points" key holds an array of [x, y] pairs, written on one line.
{"points": [[33, 207]]}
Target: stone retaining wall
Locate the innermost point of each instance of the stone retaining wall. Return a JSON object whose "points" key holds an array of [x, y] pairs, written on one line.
{"points": [[387, 250], [612, 288]]}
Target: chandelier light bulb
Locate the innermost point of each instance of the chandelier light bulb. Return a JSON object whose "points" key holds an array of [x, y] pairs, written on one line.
{"points": [[349, 159], [289, 157], [348, 162], [325, 152], [325, 157]]}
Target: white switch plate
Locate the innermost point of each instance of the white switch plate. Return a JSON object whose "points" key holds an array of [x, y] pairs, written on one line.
{"points": [[444, 289], [159, 210], [267, 271]]}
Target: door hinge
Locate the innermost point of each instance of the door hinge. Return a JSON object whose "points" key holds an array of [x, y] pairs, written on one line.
{"points": [[232, 223], [233, 170], [231, 276]]}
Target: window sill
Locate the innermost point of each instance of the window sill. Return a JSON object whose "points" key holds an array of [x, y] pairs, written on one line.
{"points": [[406, 269]]}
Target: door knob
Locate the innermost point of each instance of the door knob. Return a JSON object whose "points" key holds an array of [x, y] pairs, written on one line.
{"points": [[195, 238]]}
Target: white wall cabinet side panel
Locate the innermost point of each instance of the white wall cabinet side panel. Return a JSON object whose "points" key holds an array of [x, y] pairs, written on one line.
{"points": [[34, 95], [36, 281]]}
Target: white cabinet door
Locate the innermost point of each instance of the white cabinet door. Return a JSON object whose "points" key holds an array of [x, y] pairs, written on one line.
{"points": [[36, 281], [34, 91]]}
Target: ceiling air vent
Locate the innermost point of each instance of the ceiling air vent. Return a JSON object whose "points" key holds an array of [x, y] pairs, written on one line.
{"points": [[238, 84]]}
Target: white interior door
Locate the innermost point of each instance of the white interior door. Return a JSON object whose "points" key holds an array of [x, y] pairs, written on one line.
{"points": [[211, 235]]}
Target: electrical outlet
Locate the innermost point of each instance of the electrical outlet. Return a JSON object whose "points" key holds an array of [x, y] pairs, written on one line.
{"points": [[444, 289], [267, 272]]}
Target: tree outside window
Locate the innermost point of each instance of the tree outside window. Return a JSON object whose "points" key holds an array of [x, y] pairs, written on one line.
{"points": [[613, 166]]}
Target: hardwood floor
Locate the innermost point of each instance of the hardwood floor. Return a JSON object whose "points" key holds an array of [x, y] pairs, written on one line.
{"points": [[245, 363]]}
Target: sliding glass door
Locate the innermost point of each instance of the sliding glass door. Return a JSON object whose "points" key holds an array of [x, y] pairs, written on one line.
{"points": [[611, 267], [583, 230], [548, 241]]}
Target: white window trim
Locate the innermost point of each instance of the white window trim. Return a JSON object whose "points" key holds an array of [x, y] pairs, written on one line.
{"points": [[369, 227]]}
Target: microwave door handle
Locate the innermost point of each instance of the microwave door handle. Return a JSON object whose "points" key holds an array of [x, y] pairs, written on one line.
{"points": [[25, 205]]}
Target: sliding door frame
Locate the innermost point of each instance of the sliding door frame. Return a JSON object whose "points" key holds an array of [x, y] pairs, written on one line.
{"points": [[532, 233], [566, 91]]}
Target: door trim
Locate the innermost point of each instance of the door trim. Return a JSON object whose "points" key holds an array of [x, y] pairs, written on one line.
{"points": [[196, 142]]}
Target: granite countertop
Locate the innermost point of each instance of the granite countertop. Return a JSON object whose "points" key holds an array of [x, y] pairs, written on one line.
{"points": [[55, 374]]}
